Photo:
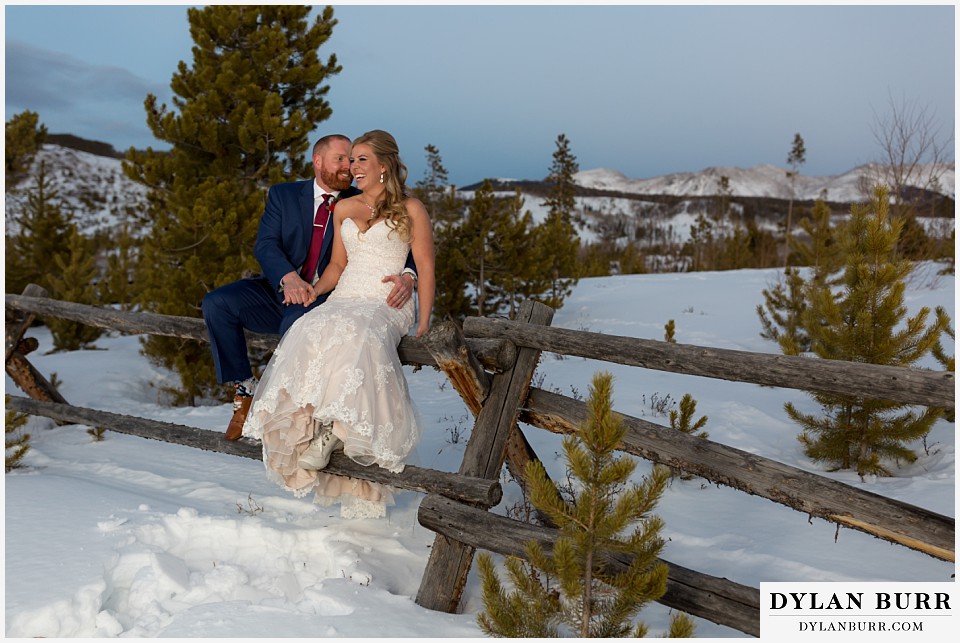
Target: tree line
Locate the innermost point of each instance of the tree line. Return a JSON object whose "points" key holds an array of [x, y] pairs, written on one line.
{"points": [[238, 127]]}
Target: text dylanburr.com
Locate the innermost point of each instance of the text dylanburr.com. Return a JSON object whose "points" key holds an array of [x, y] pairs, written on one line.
{"points": [[854, 610]]}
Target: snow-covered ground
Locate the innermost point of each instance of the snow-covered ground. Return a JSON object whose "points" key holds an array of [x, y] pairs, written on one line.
{"points": [[133, 537]]}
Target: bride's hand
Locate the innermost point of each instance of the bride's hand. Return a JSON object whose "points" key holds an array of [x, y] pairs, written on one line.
{"points": [[422, 328]]}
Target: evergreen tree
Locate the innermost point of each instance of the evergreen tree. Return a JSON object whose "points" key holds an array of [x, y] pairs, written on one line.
{"points": [[631, 260], [571, 590], [117, 286], [518, 274], [74, 280], [735, 251], [785, 303], [682, 420], [243, 112], [782, 311], [446, 210], [669, 332], [495, 250], [701, 245], [866, 322], [17, 443], [558, 242], [796, 158], [44, 231], [24, 136], [949, 362]]}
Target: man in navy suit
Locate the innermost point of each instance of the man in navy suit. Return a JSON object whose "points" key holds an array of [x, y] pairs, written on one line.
{"points": [[271, 302]]}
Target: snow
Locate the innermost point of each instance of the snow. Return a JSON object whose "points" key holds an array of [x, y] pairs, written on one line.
{"points": [[758, 181], [91, 187], [134, 537]]}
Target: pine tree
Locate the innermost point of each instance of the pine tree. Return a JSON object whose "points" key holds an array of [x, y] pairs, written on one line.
{"points": [[669, 332], [243, 113], [557, 240], [519, 273], [796, 158], [682, 420], [866, 322], [23, 138], [74, 280], [118, 286], [571, 590], [494, 249], [17, 442], [446, 210], [949, 362], [785, 303], [701, 246], [44, 231], [631, 261]]}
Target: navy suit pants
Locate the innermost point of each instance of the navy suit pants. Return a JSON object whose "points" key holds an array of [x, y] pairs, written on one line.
{"points": [[249, 304]]}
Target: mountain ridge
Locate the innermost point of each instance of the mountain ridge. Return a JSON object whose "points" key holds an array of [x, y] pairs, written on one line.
{"points": [[91, 183]]}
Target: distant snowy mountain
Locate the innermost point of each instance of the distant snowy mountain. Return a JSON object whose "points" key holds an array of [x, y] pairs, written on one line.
{"points": [[102, 197], [94, 188], [759, 181]]}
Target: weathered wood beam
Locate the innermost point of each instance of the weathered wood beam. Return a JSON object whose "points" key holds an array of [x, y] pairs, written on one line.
{"points": [[18, 321], [884, 518], [464, 488], [874, 381], [716, 599], [449, 349], [494, 354], [27, 378], [31, 381], [449, 564]]}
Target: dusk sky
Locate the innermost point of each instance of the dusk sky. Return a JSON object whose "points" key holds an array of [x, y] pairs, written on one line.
{"points": [[646, 90]]}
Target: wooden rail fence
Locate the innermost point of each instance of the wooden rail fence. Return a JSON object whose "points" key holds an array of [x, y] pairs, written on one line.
{"points": [[490, 363]]}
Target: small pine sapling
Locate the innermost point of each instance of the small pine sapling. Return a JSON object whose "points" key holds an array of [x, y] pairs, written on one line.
{"points": [[682, 420], [575, 589], [17, 442]]}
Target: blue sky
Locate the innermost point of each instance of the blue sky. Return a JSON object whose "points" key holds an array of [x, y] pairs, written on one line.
{"points": [[646, 90]]}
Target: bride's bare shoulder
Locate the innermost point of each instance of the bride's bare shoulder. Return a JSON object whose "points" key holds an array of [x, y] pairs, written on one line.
{"points": [[415, 207]]}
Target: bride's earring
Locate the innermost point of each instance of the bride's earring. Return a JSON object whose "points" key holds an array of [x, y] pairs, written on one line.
{"points": [[381, 177]]}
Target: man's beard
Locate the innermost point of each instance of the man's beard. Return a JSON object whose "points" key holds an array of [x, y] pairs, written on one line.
{"points": [[336, 180]]}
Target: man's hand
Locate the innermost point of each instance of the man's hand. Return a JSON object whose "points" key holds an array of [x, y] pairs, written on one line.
{"points": [[402, 289], [296, 290]]}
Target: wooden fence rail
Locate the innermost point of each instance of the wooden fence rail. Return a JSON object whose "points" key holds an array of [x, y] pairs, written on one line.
{"points": [[463, 488], [715, 599], [491, 363], [892, 520], [495, 354], [911, 386]]}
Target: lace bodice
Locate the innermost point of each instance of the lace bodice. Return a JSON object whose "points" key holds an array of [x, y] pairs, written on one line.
{"points": [[371, 255]]}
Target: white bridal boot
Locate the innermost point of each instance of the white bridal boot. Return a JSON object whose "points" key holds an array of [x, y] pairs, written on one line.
{"points": [[317, 455]]}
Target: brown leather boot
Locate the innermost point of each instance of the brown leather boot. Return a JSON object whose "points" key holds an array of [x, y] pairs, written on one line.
{"points": [[241, 406]]}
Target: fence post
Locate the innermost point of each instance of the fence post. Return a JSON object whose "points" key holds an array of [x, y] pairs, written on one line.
{"points": [[20, 370], [446, 573]]}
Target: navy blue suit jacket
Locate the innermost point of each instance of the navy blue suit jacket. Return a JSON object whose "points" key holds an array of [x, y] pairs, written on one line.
{"points": [[286, 228]]}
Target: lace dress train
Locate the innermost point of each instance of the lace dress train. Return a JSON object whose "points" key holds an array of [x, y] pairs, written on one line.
{"points": [[339, 363]]}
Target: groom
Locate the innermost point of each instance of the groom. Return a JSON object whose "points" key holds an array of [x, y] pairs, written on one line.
{"points": [[271, 302]]}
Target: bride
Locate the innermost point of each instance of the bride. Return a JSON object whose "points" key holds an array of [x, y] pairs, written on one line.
{"points": [[335, 380]]}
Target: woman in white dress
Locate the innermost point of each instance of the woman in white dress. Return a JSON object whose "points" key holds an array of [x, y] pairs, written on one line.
{"points": [[335, 380]]}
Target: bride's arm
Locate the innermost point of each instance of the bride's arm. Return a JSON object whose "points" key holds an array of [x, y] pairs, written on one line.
{"points": [[338, 258], [421, 244]]}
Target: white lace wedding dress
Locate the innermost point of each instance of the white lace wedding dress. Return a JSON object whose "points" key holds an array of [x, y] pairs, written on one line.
{"points": [[339, 363]]}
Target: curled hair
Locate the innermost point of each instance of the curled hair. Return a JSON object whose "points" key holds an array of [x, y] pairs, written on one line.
{"points": [[392, 207]]}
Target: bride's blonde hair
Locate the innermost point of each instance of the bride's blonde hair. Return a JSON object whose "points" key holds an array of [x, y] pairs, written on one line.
{"points": [[392, 207]]}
